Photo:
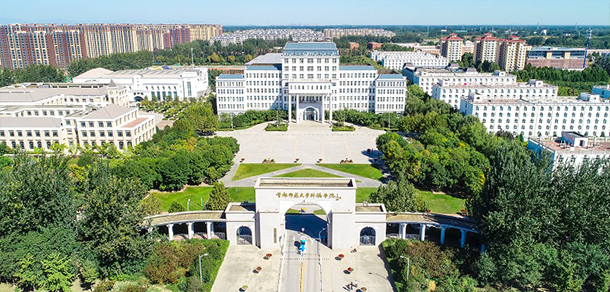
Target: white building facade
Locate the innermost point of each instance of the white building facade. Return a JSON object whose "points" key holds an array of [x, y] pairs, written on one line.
{"points": [[427, 78], [38, 116], [571, 149], [307, 78], [540, 117], [164, 84], [397, 60]]}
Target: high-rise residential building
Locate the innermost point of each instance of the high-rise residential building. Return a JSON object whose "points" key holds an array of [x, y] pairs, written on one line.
{"points": [[307, 78], [51, 44], [486, 48], [452, 47], [512, 54]]}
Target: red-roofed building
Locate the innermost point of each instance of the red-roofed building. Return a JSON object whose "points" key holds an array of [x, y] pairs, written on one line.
{"points": [[451, 47]]}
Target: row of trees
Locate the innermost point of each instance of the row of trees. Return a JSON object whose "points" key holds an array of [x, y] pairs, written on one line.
{"points": [[204, 53], [367, 119], [32, 73], [597, 42], [548, 74], [251, 117]]}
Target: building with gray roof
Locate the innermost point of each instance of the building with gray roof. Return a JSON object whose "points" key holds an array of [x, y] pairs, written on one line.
{"points": [[308, 78]]}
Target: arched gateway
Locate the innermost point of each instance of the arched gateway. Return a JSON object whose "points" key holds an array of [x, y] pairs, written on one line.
{"points": [[336, 196]]}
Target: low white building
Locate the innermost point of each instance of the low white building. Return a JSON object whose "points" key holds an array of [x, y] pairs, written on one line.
{"points": [[164, 84], [602, 90], [452, 92], [426, 78], [541, 117], [397, 60], [308, 78], [571, 149], [38, 116]]}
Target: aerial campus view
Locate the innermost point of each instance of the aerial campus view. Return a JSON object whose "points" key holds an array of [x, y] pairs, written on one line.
{"points": [[305, 146]]}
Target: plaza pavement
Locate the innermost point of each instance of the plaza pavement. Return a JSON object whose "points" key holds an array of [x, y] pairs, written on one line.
{"points": [[309, 141]]}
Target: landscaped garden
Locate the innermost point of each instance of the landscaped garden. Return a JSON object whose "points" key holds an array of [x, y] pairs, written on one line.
{"points": [[340, 127], [197, 195], [283, 127], [365, 170], [253, 169], [437, 203]]}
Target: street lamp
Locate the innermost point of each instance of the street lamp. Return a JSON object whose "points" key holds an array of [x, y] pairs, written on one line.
{"points": [[188, 204], [200, 273], [408, 266]]}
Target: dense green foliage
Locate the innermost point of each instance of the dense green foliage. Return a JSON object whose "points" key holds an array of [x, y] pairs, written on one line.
{"points": [[32, 73], [356, 58], [443, 150], [251, 118], [544, 229], [219, 197], [203, 53], [431, 267], [548, 74], [44, 243], [367, 119], [178, 262], [597, 42], [198, 117], [399, 196]]}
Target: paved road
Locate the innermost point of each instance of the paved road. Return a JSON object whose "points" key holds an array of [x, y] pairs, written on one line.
{"points": [[301, 272]]}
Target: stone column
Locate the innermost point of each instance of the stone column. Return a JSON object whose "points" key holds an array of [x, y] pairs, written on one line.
{"points": [[208, 228], [330, 109], [170, 231], [289, 108], [212, 228], [443, 229], [322, 111], [297, 109], [422, 232], [403, 230], [463, 239], [189, 226]]}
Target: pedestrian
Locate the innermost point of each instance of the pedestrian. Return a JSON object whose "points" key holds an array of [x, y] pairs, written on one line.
{"points": [[355, 284]]}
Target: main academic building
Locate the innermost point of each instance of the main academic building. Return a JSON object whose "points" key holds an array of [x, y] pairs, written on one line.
{"points": [[307, 78]]}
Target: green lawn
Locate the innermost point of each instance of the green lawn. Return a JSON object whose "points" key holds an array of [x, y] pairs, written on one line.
{"points": [[438, 203], [442, 203], [252, 169], [308, 172], [364, 170], [196, 194]]}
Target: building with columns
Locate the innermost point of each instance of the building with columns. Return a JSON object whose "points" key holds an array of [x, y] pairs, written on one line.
{"points": [[307, 78], [348, 224]]}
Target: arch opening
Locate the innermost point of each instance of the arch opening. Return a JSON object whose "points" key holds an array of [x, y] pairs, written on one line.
{"points": [[306, 221], [367, 236], [244, 235]]}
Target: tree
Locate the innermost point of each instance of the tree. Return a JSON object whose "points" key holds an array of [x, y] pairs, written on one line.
{"points": [[219, 197], [199, 118], [399, 196], [111, 218], [57, 273], [176, 207], [36, 193]]}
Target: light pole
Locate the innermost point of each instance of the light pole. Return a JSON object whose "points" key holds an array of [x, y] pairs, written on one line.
{"points": [[188, 204], [200, 272], [192, 59], [408, 266]]}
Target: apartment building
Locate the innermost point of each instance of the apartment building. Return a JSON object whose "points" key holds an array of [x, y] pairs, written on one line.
{"points": [[452, 47], [163, 84], [51, 44], [308, 78], [40, 115], [397, 60], [556, 57], [572, 149], [427, 78], [299, 35], [510, 54], [540, 117], [331, 33]]}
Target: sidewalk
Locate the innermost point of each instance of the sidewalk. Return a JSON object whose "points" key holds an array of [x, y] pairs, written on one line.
{"points": [[238, 269]]}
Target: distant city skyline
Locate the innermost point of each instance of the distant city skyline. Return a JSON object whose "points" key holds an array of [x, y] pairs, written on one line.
{"points": [[315, 12]]}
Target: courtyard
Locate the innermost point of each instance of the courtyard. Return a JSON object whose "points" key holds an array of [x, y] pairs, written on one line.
{"points": [[310, 142]]}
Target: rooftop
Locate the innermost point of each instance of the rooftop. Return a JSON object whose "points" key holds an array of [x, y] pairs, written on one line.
{"points": [[230, 76], [305, 183], [346, 67], [260, 68], [25, 94], [29, 122], [108, 112], [98, 73], [310, 49], [271, 58], [597, 145], [556, 49], [391, 77]]}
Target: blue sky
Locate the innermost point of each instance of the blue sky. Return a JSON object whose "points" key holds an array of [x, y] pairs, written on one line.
{"points": [[311, 12]]}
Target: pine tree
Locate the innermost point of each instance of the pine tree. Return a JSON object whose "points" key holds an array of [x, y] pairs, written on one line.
{"points": [[219, 197]]}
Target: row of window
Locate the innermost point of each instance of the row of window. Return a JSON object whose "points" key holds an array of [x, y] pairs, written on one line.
{"points": [[28, 133]]}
